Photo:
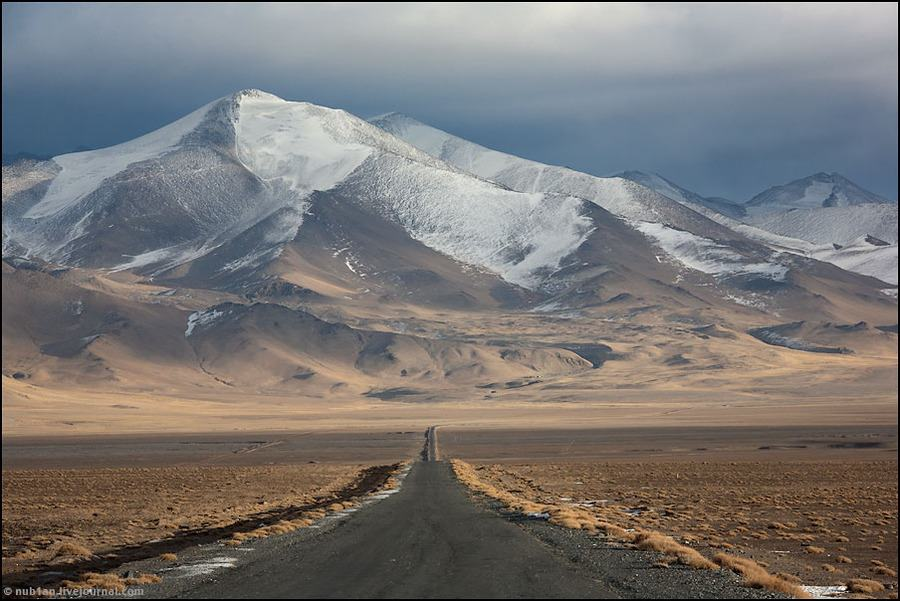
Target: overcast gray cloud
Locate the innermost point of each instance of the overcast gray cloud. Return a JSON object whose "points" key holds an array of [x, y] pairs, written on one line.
{"points": [[724, 99]]}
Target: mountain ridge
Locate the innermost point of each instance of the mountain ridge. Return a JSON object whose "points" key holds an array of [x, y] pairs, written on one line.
{"points": [[222, 192]]}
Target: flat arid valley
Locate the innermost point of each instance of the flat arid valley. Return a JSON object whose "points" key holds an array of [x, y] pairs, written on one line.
{"points": [[288, 313]]}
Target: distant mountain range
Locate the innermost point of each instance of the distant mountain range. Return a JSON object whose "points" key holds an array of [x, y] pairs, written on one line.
{"points": [[816, 216], [258, 236]]}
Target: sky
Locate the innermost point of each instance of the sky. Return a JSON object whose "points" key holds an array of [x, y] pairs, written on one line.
{"points": [[725, 100]]}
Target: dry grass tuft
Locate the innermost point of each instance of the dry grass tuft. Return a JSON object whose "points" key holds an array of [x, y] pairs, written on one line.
{"points": [[654, 541], [168, 557], [109, 581], [885, 571], [756, 576], [70, 549], [864, 586], [781, 507], [614, 531], [143, 579], [89, 580], [843, 559], [788, 577], [814, 550]]}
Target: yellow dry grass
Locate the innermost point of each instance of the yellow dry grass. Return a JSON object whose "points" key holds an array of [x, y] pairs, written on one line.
{"points": [[662, 543], [756, 576], [864, 586], [109, 581], [59, 515], [95, 580], [143, 579], [308, 518], [70, 549]]}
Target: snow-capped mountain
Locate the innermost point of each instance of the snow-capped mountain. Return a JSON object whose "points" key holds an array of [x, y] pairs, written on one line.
{"points": [[686, 235], [618, 195], [699, 233], [259, 242], [243, 170], [861, 237], [846, 224], [825, 208], [818, 190], [252, 190]]}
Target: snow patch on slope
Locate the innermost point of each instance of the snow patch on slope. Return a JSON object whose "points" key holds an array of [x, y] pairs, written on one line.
{"points": [[201, 318], [659, 184], [702, 254], [698, 203], [831, 225], [619, 196], [876, 261], [815, 194]]}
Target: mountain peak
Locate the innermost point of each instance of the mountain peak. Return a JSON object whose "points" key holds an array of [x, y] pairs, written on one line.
{"points": [[813, 191], [255, 93]]}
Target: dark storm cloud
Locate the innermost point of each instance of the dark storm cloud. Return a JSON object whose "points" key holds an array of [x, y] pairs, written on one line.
{"points": [[724, 99]]}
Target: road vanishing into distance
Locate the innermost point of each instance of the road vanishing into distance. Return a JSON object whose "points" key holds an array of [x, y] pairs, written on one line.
{"points": [[427, 540], [430, 539]]}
